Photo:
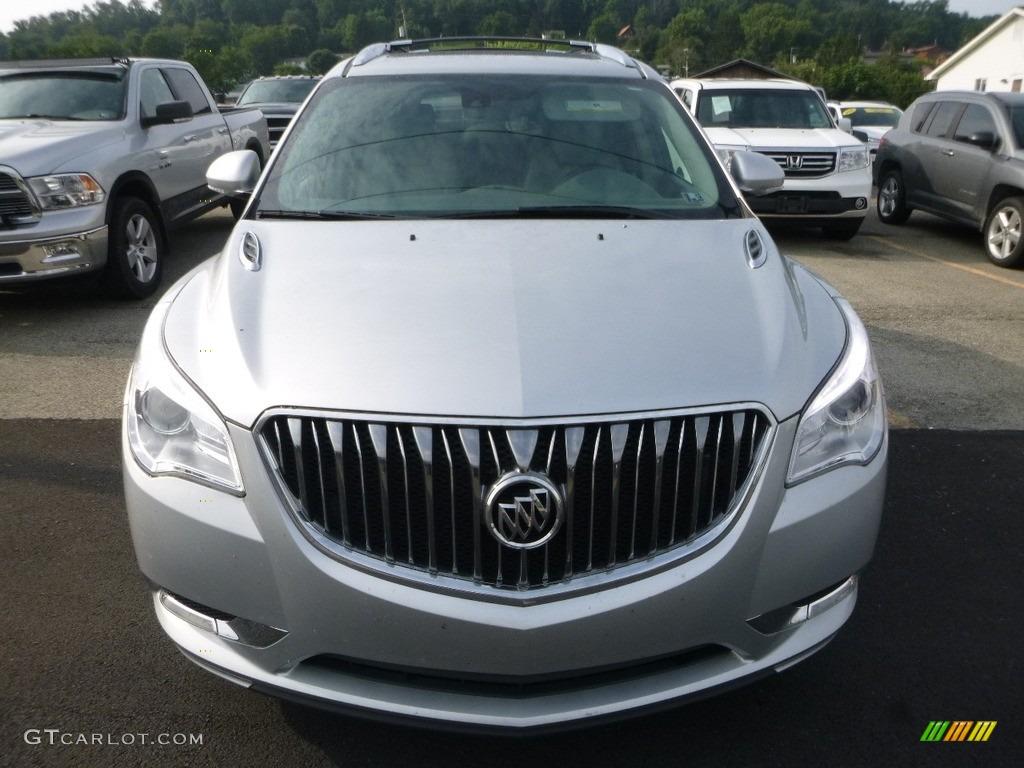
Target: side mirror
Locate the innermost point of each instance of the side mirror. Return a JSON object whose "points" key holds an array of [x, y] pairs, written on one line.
{"points": [[234, 174], [844, 124], [983, 139], [756, 174], [169, 112]]}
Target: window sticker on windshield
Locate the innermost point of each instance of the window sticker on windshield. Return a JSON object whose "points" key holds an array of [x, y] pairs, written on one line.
{"points": [[694, 197], [720, 104], [574, 107]]}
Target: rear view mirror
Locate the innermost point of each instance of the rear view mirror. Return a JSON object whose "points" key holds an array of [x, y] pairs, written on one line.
{"points": [[983, 139], [756, 174], [234, 174], [168, 112]]}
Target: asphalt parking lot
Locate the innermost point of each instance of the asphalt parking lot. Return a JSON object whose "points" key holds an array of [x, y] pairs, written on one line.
{"points": [[935, 636]]}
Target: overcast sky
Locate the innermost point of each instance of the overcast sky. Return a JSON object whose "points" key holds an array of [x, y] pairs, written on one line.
{"points": [[13, 10]]}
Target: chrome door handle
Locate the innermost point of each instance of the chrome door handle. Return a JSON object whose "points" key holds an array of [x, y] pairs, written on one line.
{"points": [[948, 152]]}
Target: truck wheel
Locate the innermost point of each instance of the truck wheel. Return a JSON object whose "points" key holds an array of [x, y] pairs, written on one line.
{"points": [[135, 251], [1003, 243], [892, 198], [842, 230]]}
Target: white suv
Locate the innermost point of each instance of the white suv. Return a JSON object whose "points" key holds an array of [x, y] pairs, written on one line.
{"points": [[828, 176]]}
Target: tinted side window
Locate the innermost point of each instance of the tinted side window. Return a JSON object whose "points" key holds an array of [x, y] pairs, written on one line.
{"points": [[188, 89], [921, 112], [153, 90], [976, 119], [942, 118]]}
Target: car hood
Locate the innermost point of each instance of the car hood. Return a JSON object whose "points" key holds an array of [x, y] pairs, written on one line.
{"points": [[872, 131], [781, 138], [273, 107], [34, 147], [502, 319]]}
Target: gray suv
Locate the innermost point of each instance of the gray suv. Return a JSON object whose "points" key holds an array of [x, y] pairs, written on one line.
{"points": [[500, 408], [959, 155]]}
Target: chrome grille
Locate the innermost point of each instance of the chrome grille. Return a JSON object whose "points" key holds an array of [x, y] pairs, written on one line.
{"points": [[15, 205], [804, 165], [411, 494]]}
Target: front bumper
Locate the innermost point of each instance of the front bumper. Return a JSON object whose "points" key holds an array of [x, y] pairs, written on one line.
{"points": [[354, 640], [53, 253]]}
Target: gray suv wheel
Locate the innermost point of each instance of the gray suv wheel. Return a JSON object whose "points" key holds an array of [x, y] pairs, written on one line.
{"points": [[1003, 243]]}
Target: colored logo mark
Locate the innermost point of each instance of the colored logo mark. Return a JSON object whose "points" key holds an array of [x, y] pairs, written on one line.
{"points": [[958, 730]]}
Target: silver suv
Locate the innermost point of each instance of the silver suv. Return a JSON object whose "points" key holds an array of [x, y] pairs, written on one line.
{"points": [[500, 408], [959, 155]]}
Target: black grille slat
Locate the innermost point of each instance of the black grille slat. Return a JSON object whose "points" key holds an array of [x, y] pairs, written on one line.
{"points": [[412, 495], [14, 202]]}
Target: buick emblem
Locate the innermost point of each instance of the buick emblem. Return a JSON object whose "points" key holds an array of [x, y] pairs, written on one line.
{"points": [[523, 510]]}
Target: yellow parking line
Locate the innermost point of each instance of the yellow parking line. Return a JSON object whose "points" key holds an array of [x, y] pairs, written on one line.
{"points": [[963, 267]]}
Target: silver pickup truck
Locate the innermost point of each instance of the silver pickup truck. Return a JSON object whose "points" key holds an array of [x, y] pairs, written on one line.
{"points": [[99, 158]]}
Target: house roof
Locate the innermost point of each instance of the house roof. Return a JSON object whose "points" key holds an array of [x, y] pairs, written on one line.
{"points": [[977, 42], [742, 64]]}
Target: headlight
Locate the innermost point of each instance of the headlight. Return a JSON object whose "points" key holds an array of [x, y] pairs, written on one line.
{"points": [[853, 159], [171, 429], [69, 190], [725, 153], [846, 421]]}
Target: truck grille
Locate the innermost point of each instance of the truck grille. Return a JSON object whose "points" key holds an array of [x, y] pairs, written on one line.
{"points": [[804, 165], [276, 126], [15, 205], [413, 495]]}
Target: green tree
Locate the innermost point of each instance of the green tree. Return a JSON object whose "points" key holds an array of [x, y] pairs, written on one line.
{"points": [[320, 61], [498, 24], [772, 29], [604, 29]]}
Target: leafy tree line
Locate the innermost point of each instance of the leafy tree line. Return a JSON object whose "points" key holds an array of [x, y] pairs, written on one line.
{"points": [[232, 40]]}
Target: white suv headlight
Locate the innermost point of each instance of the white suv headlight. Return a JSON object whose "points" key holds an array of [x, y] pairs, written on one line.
{"points": [[853, 159], [846, 421], [172, 429], [68, 190]]}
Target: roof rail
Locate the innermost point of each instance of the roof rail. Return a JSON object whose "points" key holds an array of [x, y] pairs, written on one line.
{"points": [[376, 50], [55, 63]]}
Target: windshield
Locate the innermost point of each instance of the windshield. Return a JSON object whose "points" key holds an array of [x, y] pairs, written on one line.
{"points": [[872, 116], [767, 108], [495, 145], [270, 91], [63, 95]]}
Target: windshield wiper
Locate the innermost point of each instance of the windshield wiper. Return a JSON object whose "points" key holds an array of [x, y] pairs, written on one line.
{"points": [[562, 212], [322, 215], [37, 116]]}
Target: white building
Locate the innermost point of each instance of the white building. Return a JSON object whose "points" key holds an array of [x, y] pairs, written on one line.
{"points": [[992, 61]]}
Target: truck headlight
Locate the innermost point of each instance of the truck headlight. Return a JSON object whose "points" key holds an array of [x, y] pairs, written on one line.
{"points": [[845, 422], [67, 190], [171, 429], [725, 153], [853, 159]]}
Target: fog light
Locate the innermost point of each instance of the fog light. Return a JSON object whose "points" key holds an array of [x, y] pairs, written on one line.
{"points": [[239, 630], [66, 250], [861, 203], [790, 616]]}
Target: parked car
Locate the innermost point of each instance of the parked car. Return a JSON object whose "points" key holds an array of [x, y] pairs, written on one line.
{"points": [[278, 98], [828, 177], [869, 119], [500, 408], [958, 155], [99, 158]]}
